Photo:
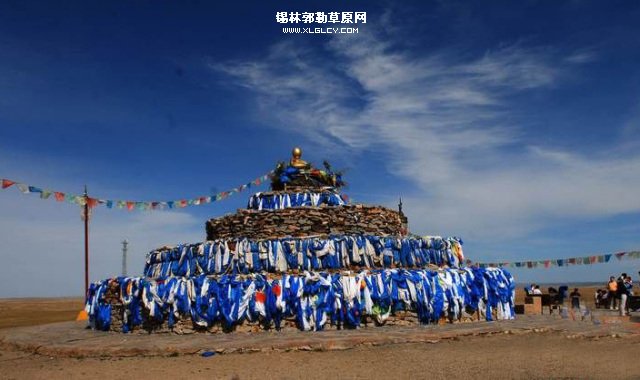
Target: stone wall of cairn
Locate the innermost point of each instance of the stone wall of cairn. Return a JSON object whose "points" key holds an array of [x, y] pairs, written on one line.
{"points": [[184, 325], [306, 221]]}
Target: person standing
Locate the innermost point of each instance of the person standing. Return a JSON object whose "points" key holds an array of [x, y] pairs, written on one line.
{"points": [[622, 294], [612, 288], [575, 299], [628, 284]]}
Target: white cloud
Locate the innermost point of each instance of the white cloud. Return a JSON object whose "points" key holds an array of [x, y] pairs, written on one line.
{"points": [[442, 120], [43, 247], [582, 56]]}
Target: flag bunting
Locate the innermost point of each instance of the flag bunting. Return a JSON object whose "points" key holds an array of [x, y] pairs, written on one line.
{"points": [[130, 205], [549, 263]]}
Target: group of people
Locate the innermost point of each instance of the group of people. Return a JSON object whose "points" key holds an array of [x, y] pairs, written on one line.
{"points": [[616, 294], [557, 296]]}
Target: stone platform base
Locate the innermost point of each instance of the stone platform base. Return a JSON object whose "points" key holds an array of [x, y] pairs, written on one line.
{"points": [[611, 316], [72, 339]]}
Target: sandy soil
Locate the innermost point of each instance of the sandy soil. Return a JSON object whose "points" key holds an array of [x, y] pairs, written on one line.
{"points": [[543, 355], [15, 312], [507, 356]]}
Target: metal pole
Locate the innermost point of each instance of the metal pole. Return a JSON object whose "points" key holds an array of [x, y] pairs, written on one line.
{"points": [[86, 241], [124, 257]]}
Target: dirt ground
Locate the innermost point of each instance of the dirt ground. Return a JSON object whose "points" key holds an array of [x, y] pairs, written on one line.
{"points": [[530, 356], [534, 356], [15, 312]]}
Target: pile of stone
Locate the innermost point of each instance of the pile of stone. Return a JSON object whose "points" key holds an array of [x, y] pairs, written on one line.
{"points": [[307, 221], [310, 301], [250, 275]]}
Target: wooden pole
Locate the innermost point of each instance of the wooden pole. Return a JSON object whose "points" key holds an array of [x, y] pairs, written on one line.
{"points": [[82, 315], [86, 242]]}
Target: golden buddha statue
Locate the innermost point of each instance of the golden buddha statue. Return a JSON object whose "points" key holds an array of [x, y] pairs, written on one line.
{"points": [[296, 161]]}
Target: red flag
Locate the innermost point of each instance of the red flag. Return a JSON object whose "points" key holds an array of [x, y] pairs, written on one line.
{"points": [[6, 183], [59, 196], [130, 205], [92, 202]]}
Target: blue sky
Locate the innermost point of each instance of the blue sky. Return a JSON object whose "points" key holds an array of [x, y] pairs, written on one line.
{"points": [[513, 125]]}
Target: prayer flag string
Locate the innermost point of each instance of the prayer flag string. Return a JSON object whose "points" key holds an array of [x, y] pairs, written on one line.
{"points": [[549, 263], [92, 202]]}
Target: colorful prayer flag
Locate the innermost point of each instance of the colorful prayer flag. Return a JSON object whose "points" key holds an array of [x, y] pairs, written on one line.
{"points": [[7, 183], [131, 205], [23, 188]]}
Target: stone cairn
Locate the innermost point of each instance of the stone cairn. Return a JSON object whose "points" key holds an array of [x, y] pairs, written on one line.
{"points": [[303, 226], [307, 221]]}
